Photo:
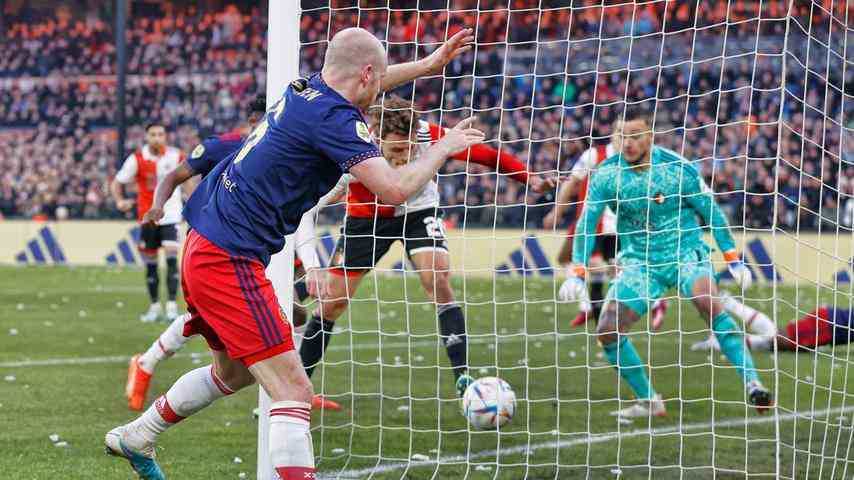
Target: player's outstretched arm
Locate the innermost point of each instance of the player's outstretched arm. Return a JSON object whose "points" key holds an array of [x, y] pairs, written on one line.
{"points": [[393, 186], [402, 73], [565, 193], [164, 190]]}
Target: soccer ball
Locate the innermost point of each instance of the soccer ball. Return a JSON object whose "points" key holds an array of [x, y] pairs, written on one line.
{"points": [[489, 403]]}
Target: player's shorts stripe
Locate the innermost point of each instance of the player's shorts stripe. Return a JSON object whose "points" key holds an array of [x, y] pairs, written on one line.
{"points": [[263, 307], [265, 336]]}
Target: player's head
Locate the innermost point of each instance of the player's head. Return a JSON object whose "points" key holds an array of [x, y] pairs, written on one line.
{"points": [[155, 135], [256, 109], [636, 136], [395, 125], [354, 65]]}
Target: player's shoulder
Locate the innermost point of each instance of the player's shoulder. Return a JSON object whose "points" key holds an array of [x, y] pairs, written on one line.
{"points": [[668, 157], [317, 100]]}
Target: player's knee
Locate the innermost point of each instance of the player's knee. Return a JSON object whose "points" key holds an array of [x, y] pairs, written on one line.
{"points": [[235, 376], [441, 288]]}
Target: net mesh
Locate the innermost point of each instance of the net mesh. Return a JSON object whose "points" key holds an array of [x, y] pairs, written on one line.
{"points": [[753, 93]]}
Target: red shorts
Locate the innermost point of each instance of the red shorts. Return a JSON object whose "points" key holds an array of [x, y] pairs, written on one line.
{"points": [[232, 303], [813, 330]]}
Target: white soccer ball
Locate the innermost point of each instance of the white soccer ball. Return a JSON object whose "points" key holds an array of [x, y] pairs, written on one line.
{"points": [[489, 403]]}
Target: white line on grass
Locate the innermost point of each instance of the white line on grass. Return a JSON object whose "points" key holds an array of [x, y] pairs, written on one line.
{"points": [[588, 440], [516, 338]]}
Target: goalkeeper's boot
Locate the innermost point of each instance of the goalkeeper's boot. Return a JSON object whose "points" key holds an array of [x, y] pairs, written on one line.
{"points": [[152, 315], [659, 310], [121, 442], [760, 397], [707, 345], [137, 384], [319, 402], [653, 407]]}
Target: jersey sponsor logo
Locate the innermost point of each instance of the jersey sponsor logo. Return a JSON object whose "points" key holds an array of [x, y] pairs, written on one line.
{"points": [[309, 94], [198, 151], [453, 339], [363, 131], [228, 183]]}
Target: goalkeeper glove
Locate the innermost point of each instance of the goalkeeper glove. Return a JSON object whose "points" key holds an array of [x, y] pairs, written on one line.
{"points": [[739, 271], [574, 289]]}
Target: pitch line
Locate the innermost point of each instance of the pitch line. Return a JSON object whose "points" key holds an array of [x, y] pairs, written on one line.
{"points": [[588, 440], [50, 362]]}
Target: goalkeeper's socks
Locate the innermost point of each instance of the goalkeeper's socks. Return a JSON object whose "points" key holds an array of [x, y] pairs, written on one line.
{"points": [[314, 342], [622, 354], [291, 451], [172, 278], [452, 328], [169, 342], [192, 392], [733, 347], [152, 281], [597, 293]]}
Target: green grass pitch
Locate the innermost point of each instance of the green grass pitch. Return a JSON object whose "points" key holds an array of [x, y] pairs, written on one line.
{"points": [[387, 368]]}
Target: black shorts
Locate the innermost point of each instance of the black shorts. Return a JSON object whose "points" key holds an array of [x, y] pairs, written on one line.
{"points": [[364, 241], [607, 245], [152, 238]]}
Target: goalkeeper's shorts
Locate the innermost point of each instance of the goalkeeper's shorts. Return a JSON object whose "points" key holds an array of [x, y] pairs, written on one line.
{"points": [[639, 284]]}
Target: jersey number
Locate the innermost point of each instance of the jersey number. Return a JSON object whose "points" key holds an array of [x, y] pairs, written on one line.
{"points": [[259, 132], [435, 227]]}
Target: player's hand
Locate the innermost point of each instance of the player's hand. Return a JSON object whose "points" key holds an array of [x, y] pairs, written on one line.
{"points": [[461, 137], [316, 282], [458, 44], [739, 271], [124, 204], [574, 289], [152, 216], [541, 184]]}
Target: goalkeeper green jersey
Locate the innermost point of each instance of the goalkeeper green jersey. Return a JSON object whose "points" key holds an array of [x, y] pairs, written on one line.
{"points": [[656, 207]]}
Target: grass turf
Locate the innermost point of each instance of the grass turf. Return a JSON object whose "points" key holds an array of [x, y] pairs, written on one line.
{"points": [[388, 369]]}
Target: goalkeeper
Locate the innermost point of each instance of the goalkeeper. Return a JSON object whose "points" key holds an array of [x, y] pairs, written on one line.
{"points": [[657, 195]]}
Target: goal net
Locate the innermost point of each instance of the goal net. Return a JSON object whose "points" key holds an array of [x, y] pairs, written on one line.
{"points": [[754, 94]]}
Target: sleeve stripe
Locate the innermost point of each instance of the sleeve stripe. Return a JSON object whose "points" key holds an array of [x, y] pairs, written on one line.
{"points": [[359, 158]]}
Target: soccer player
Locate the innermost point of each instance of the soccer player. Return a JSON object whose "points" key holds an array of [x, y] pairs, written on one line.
{"points": [[825, 325], [657, 195], [602, 261], [147, 166], [240, 215], [371, 228]]}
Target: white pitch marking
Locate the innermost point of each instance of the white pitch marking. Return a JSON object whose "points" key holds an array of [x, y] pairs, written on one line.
{"points": [[588, 440]]}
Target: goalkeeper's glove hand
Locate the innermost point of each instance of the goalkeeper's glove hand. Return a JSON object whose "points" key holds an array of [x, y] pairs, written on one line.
{"points": [[739, 271], [574, 289]]}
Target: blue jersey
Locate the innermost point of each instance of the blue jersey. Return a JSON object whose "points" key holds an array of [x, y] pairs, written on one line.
{"points": [[841, 320], [247, 205], [212, 151]]}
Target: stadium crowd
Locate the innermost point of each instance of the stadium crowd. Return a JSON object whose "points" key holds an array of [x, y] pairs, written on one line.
{"points": [[195, 70]]}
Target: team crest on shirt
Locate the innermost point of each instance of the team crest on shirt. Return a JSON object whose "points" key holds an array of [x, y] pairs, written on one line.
{"points": [[198, 151], [363, 131], [659, 198]]}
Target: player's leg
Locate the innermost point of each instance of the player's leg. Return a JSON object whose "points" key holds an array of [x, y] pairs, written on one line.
{"points": [[697, 282], [148, 248], [301, 296], [141, 368], [290, 390], [627, 301], [433, 266], [191, 393], [760, 330], [169, 240]]}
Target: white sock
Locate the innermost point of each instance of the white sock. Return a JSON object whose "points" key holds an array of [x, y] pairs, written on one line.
{"points": [[291, 450], [192, 392], [169, 342], [298, 333], [762, 329]]}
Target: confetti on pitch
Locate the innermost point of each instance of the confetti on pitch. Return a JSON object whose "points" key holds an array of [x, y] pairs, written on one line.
{"points": [[616, 471], [419, 358], [338, 451], [54, 437], [600, 355], [91, 340], [490, 346], [20, 306], [13, 331], [60, 444], [120, 304], [227, 424], [483, 468], [483, 371], [503, 331], [572, 354], [548, 309], [9, 378], [403, 408], [65, 299], [434, 450], [48, 323], [196, 361], [241, 475], [808, 379], [82, 314], [624, 421], [41, 295], [238, 460], [53, 306], [418, 457], [538, 344]]}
